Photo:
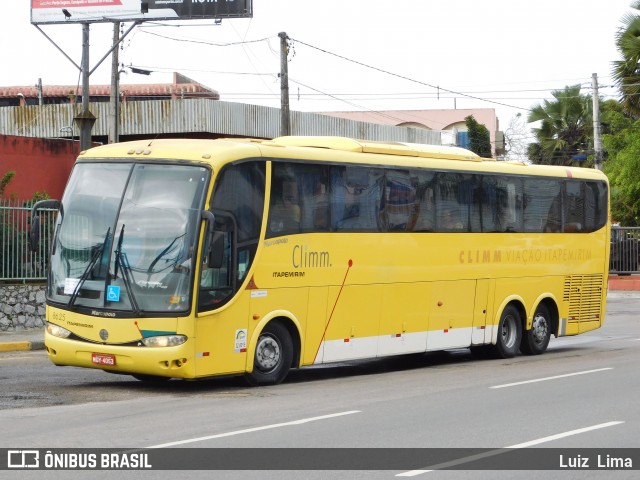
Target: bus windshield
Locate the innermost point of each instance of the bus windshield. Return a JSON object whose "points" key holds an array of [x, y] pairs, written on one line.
{"points": [[126, 236]]}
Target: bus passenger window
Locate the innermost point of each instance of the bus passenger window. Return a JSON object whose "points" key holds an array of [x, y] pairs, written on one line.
{"points": [[541, 205], [425, 220], [315, 202], [356, 199], [574, 206], [453, 198], [284, 210], [400, 201]]}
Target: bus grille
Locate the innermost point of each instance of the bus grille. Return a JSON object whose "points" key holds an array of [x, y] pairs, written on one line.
{"points": [[584, 295]]}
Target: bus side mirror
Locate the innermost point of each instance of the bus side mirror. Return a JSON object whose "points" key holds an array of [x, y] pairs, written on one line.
{"points": [[34, 232], [214, 241]]}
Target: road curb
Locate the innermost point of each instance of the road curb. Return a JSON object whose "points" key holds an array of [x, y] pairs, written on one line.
{"points": [[20, 346]]}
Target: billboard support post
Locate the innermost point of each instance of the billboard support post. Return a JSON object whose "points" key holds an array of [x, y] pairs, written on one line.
{"points": [[45, 12], [114, 108], [85, 119]]}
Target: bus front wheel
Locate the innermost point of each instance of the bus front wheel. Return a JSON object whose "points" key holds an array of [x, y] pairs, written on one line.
{"points": [[536, 340], [273, 356], [509, 333]]}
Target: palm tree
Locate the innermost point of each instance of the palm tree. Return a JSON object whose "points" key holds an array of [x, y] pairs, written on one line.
{"points": [[565, 127], [626, 72]]}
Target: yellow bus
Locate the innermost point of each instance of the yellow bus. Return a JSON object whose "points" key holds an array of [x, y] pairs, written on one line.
{"points": [[199, 258]]}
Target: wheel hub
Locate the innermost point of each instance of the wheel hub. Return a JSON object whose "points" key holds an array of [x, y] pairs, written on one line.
{"points": [[539, 328], [267, 354]]}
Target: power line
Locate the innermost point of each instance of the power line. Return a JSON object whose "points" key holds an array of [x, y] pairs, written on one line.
{"points": [[345, 97], [409, 79], [203, 42]]}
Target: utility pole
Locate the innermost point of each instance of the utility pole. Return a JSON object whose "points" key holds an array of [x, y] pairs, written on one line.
{"points": [[40, 94], [597, 139], [114, 106], [284, 85]]}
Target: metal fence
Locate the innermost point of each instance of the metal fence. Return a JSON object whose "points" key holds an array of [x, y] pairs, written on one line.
{"points": [[17, 262], [625, 250]]}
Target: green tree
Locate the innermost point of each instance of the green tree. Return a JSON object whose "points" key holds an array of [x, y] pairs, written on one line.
{"points": [[625, 72], [479, 138], [6, 178], [566, 127], [622, 144]]}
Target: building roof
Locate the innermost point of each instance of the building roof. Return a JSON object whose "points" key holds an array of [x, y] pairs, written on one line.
{"points": [[181, 87]]}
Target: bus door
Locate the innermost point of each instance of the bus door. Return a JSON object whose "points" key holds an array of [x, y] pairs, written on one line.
{"points": [[451, 313], [221, 324]]}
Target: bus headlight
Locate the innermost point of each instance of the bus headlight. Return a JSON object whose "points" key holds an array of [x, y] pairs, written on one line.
{"points": [[57, 331], [164, 341]]}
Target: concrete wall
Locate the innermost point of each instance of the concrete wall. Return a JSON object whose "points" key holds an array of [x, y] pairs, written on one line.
{"points": [[41, 165], [22, 307]]}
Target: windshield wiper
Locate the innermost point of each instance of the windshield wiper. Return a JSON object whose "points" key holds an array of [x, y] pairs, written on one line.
{"points": [[97, 254], [122, 262]]}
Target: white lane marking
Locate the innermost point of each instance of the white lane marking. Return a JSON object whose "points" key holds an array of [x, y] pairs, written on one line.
{"points": [[255, 429], [565, 434], [551, 378], [498, 451]]}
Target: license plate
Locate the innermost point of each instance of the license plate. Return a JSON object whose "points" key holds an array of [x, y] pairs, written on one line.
{"points": [[103, 359]]}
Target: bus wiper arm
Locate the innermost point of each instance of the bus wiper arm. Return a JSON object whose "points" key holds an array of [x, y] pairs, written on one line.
{"points": [[122, 262], [92, 263], [116, 260]]}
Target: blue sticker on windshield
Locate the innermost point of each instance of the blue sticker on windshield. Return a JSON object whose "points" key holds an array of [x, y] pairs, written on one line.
{"points": [[113, 293]]}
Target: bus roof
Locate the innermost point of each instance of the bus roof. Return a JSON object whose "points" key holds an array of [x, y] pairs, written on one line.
{"points": [[327, 148]]}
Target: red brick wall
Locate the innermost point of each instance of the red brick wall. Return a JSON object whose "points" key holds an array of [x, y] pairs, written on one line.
{"points": [[41, 165]]}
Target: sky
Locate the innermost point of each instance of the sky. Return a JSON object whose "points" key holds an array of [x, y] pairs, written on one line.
{"points": [[347, 55]]}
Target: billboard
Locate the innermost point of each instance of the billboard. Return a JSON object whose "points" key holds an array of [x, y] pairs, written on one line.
{"points": [[91, 11]]}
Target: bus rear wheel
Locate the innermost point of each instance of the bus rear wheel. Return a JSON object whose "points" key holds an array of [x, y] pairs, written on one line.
{"points": [[536, 340], [273, 356], [509, 333]]}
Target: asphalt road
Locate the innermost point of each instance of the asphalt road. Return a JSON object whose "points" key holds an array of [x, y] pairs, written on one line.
{"points": [[582, 393]]}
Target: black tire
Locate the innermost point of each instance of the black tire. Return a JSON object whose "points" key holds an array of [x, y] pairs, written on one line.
{"points": [[509, 333], [273, 356], [536, 340]]}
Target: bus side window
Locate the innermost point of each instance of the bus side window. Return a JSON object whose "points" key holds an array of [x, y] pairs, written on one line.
{"points": [[453, 199], [574, 206], [401, 205], [356, 199], [542, 205], [425, 221], [554, 217], [314, 203], [595, 210], [216, 282], [284, 206]]}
